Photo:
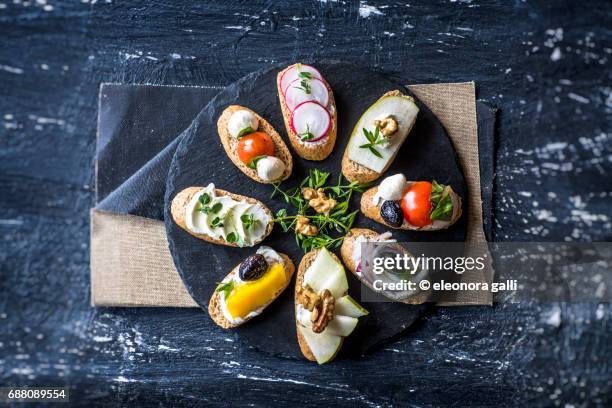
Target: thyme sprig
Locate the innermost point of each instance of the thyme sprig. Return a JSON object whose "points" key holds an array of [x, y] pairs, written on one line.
{"points": [[374, 139], [339, 220]]}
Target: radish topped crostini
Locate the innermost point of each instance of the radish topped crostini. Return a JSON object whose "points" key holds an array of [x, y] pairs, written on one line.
{"points": [[412, 205], [253, 145], [309, 110]]}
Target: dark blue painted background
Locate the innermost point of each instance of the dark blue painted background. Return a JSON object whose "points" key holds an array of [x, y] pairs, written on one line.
{"points": [[545, 64]]}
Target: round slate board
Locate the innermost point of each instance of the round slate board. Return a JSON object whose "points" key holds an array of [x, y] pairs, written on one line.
{"points": [[200, 159]]}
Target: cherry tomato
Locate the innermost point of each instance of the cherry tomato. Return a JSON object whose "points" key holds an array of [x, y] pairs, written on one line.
{"points": [[416, 204], [253, 145]]}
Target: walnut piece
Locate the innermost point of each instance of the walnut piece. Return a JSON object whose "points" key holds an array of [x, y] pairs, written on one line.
{"points": [[388, 126], [307, 297], [318, 200], [323, 312], [304, 227], [321, 306]]}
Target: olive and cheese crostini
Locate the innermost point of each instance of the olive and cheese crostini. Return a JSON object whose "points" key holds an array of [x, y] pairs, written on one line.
{"points": [[253, 145], [251, 286], [412, 205], [309, 111], [324, 313], [221, 217], [378, 136]]}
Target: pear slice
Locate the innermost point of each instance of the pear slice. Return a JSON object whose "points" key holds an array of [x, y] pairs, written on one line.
{"points": [[340, 325], [347, 306], [324, 346], [326, 273], [403, 110]]}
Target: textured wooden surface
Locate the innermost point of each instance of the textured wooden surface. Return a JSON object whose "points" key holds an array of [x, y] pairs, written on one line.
{"points": [[545, 64]]}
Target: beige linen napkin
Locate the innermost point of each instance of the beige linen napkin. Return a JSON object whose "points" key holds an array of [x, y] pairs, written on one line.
{"points": [[131, 263]]}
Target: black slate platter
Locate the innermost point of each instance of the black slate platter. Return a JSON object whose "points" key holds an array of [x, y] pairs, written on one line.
{"points": [[200, 159]]}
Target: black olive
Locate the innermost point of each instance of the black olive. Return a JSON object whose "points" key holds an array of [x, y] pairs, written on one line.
{"points": [[391, 212], [253, 267]]}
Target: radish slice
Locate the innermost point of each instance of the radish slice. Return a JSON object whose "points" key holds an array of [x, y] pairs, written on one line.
{"points": [[310, 117], [295, 93], [292, 74]]}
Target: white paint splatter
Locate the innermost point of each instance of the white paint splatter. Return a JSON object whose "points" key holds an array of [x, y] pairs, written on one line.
{"points": [[365, 10], [578, 98], [554, 317], [556, 55], [12, 70]]}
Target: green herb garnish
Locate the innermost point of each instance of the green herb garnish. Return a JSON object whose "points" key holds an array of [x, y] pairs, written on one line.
{"points": [[304, 86], [307, 135], [374, 139], [204, 199], [253, 162], [305, 75], [248, 221], [216, 208], [226, 288], [216, 222], [338, 220], [441, 202], [246, 131]]}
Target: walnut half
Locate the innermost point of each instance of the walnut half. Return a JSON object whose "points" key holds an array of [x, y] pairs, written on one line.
{"points": [[320, 305], [318, 200], [304, 227], [323, 312], [387, 126]]}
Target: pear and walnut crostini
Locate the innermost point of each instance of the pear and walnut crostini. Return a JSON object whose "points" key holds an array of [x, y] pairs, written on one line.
{"points": [[221, 217], [309, 111], [324, 313], [250, 287], [253, 145], [378, 136]]}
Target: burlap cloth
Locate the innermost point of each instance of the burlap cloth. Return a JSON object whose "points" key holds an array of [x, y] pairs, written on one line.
{"points": [[131, 263]]}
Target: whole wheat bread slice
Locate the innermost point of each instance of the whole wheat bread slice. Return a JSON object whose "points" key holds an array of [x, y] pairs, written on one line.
{"points": [[230, 144], [214, 306], [182, 199]]}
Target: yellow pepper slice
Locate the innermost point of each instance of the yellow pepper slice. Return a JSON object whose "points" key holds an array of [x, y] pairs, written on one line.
{"points": [[250, 296]]}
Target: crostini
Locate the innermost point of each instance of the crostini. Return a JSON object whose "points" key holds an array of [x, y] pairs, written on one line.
{"points": [[221, 217], [253, 145], [350, 251], [412, 205], [324, 313], [250, 287], [351, 256], [378, 136], [309, 111]]}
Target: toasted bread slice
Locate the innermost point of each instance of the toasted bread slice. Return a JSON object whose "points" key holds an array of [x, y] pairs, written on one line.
{"points": [[310, 151], [230, 144], [214, 306], [182, 199], [354, 171], [370, 210], [305, 263], [346, 250]]}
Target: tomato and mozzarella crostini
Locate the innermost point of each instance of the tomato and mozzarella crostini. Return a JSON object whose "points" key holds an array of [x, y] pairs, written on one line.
{"points": [[412, 205], [253, 145], [309, 110]]}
